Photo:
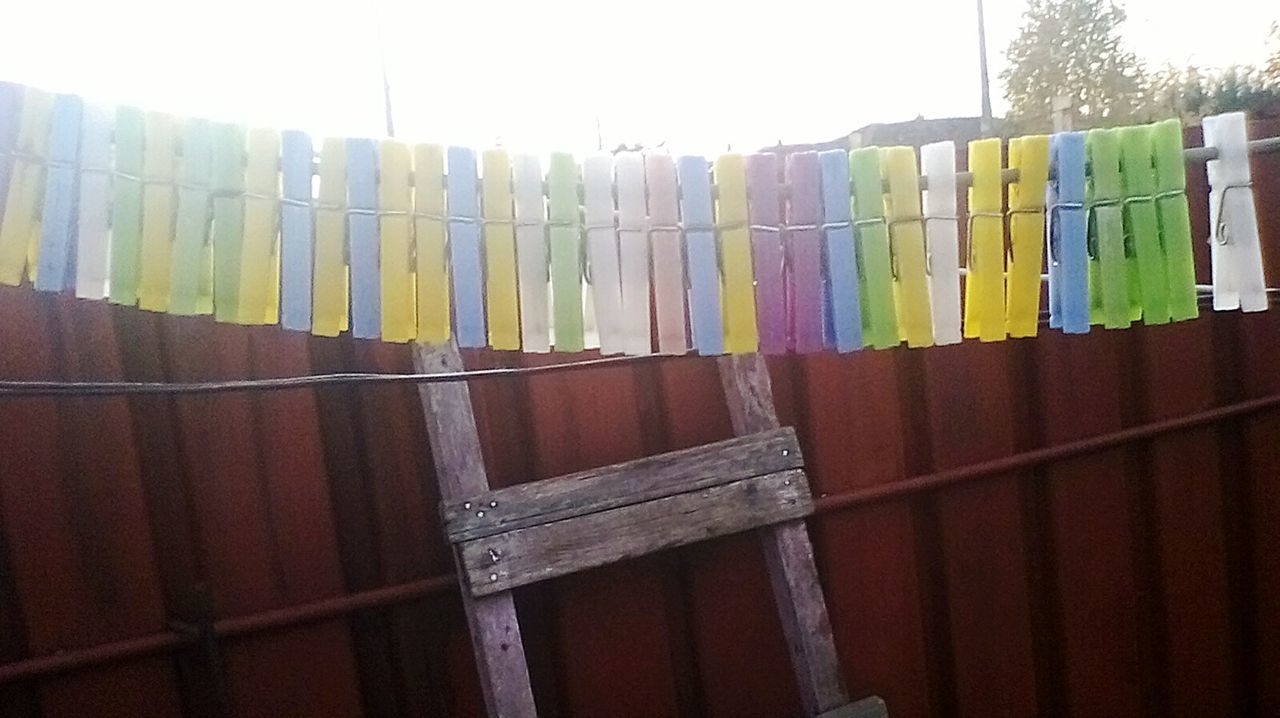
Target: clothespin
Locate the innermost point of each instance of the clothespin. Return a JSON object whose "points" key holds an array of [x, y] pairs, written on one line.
{"points": [[767, 259], [227, 234], [566, 252], [633, 253], [20, 234], [908, 264], [804, 253], [668, 255], [532, 260], [57, 237], [984, 306], [740, 334], [329, 273], [705, 304], [435, 313], [10, 114], [843, 289], [1137, 175], [1108, 268], [1238, 281], [92, 257], [362, 238], [1030, 156], [602, 250], [395, 249], [938, 161], [191, 271], [1174, 218], [260, 249], [501, 297], [464, 248], [158, 206], [297, 230], [1068, 253], [879, 321]]}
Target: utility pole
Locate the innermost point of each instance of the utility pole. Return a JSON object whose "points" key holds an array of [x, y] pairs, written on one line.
{"points": [[985, 123]]}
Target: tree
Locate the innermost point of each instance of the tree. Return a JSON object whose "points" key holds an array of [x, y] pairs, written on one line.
{"points": [[1073, 48], [1272, 71]]}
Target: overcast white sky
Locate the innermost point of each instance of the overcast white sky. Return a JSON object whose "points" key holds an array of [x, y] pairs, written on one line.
{"points": [[537, 76]]}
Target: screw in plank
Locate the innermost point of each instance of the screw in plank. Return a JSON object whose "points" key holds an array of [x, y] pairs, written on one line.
{"points": [[493, 504], [466, 506], [479, 514], [494, 555], [493, 577], [786, 452]]}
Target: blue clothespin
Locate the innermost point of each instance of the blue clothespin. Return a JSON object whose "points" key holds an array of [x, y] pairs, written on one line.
{"points": [[10, 117], [464, 245], [56, 264], [700, 245], [296, 230], [1068, 243], [844, 307], [362, 233]]}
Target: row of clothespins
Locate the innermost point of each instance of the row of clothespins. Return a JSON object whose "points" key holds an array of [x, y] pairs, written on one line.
{"points": [[812, 251]]}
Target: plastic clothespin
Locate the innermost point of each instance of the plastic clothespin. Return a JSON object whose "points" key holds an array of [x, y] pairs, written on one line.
{"points": [[92, 259], [844, 305], [633, 253], [362, 238], [736, 270], [532, 260], [297, 230], [260, 249], [566, 252], [1238, 280], [10, 120], [501, 296], [1108, 268], [602, 250], [464, 248], [1174, 218], [57, 236], [227, 234], [879, 320], [159, 202], [190, 269], [1068, 251], [767, 259], [435, 311], [668, 256], [1137, 175], [329, 273], [804, 251], [1030, 156], [942, 237], [705, 305], [907, 252], [984, 306], [395, 251], [20, 233]]}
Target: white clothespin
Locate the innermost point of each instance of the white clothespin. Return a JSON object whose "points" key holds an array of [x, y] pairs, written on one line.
{"points": [[938, 160], [531, 254], [602, 250], [1238, 282], [633, 245]]}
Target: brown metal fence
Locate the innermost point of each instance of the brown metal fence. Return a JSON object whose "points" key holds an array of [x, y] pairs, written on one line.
{"points": [[1057, 526]]}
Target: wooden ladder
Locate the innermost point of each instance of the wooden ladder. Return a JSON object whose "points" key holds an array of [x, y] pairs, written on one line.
{"points": [[535, 531]]}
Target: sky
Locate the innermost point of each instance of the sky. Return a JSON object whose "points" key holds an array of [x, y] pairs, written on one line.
{"points": [[698, 77]]}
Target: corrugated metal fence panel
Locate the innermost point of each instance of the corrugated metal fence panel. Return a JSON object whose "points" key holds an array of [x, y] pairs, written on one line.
{"points": [[1133, 580]]}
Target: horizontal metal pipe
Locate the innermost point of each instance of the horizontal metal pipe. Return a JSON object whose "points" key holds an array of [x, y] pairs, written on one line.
{"points": [[325, 609]]}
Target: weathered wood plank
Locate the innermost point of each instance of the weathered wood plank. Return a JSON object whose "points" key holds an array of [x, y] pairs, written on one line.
{"points": [[455, 448], [528, 555], [788, 552], [871, 707], [632, 482]]}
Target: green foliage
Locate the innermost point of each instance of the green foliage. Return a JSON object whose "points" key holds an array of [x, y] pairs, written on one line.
{"points": [[1271, 73], [1073, 47], [1193, 93]]}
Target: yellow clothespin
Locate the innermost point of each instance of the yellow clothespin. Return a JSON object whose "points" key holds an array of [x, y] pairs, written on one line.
{"points": [[20, 234], [260, 252], [907, 254], [329, 278], [434, 312], [1030, 156], [984, 315], [395, 260], [740, 335], [158, 207], [501, 302]]}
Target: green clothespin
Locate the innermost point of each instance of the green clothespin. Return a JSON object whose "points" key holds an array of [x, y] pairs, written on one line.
{"points": [[1108, 271], [1175, 220], [875, 268], [566, 252], [228, 218], [1141, 223], [126, 205], [192, 288]]}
